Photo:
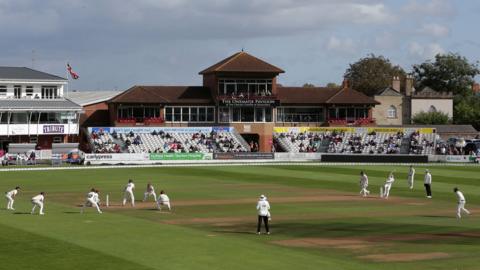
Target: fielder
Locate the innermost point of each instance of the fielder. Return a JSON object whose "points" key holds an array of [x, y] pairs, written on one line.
{"points": [[38, 201], [461, 203], [411, 176], [388, 185], [163, 200], [10, 197], [364, 184], [128, 193], [149, 192], [92, 200]]}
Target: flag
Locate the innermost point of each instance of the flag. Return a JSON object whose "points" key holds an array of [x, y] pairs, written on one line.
{"points": [[72, 73]]}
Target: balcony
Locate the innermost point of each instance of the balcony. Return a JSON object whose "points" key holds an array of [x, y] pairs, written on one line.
{"points": [[351, 122], [140, 121]]}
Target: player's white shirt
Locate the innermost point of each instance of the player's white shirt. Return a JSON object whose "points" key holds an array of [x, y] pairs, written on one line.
{"points": [[390, 180], [12, 193], [130, 187], [428, 178], [411, 173], [150, 189], [364, 180], [163, 198], [38, 198], [93, 196], [460, 196], [263, 207]]}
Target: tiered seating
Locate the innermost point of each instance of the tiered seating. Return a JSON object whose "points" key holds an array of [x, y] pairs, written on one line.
{"points": [[375, 143], [301, 142], [341, 142], [104, 143], [422, 144], [171, 142]]}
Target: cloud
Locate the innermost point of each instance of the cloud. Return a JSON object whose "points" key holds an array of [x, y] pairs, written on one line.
{"points": [[434, 8], [426, 51], [434, 30], [341, 45]]}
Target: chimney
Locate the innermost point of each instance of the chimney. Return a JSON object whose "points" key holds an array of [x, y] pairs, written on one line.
{"points": [[396, 83], [345, 83], [408, 85], [476, 88]]}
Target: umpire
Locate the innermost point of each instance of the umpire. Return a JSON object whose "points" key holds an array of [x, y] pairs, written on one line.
{"points": [[263, 210]]}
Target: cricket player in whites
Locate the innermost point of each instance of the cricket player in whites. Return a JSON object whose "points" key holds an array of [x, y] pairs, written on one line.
{"points": [[38, 201], [128, 193], [387, 186], [10, 197], [149, 192], [411, 176], [92, 200], [163, 200], [364, 184], [461, 203]]}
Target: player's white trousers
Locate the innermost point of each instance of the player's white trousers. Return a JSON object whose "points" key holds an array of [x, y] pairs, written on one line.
{"points": [[147, 194], [39, 204], [9, 202], [167, 204], [93, 204], [386, 190], [460, 208], [410, 182], [364, 191], [128, 195]]}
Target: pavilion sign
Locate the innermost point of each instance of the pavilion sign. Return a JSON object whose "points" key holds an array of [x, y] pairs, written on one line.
{"points": [[249, 102]]}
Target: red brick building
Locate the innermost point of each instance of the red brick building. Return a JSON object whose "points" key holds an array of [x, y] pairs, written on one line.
{"points": [[241, 91]]}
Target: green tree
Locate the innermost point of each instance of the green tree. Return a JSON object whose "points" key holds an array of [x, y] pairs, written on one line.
{"points": [[308, 85], [467, 110], [447, 73], [332, 85], [431, 118], [372, 73]]}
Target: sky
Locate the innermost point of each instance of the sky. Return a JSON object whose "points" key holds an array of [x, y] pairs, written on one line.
{"points": [[114, 45]]}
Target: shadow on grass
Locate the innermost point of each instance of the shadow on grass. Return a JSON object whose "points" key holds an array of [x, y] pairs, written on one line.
{"points": [[22, 213]]}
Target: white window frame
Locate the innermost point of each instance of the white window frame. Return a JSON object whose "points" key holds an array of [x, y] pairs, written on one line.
{"points": [[324, 111], [189, 114], [230, 115], [392, 112]]}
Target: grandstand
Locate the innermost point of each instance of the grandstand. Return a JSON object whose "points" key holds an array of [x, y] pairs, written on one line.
{"points": [[166, 140], [356, 140]]}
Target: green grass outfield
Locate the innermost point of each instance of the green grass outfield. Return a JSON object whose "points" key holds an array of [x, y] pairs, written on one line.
{"points": [[319, 221]]}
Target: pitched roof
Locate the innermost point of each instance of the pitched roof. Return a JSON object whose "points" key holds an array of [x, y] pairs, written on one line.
{"points": [[38, 104], [350, 96], [165, 94], [242, 62], [24, 73], [85, 98], [389, 91], [322, 95], [300, 95]]}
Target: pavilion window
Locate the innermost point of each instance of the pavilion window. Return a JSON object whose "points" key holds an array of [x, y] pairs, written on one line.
{"points": [[185, 114], [17, 91], [3, 90], [4, 117], [248, 114], [29, 91], [210, 114], [224, 115], [194, 114], [49, 92], [189, 114]]}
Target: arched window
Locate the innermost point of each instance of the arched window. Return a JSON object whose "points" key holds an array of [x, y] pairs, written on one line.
{"points": [[392, 112], [432, 109]]}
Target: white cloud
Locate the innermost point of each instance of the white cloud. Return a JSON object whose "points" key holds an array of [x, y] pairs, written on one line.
{"points": [[341, 45], [425, 51], [435, 8], [434, 30]]}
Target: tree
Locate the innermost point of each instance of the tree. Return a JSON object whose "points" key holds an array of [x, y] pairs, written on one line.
{"points": [[332, 85], [372, 73], [466, 110], [431, 118], [448, 73], [308, 85]]}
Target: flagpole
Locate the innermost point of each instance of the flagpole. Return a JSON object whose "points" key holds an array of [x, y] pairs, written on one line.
{"points": [[68, 80]]}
